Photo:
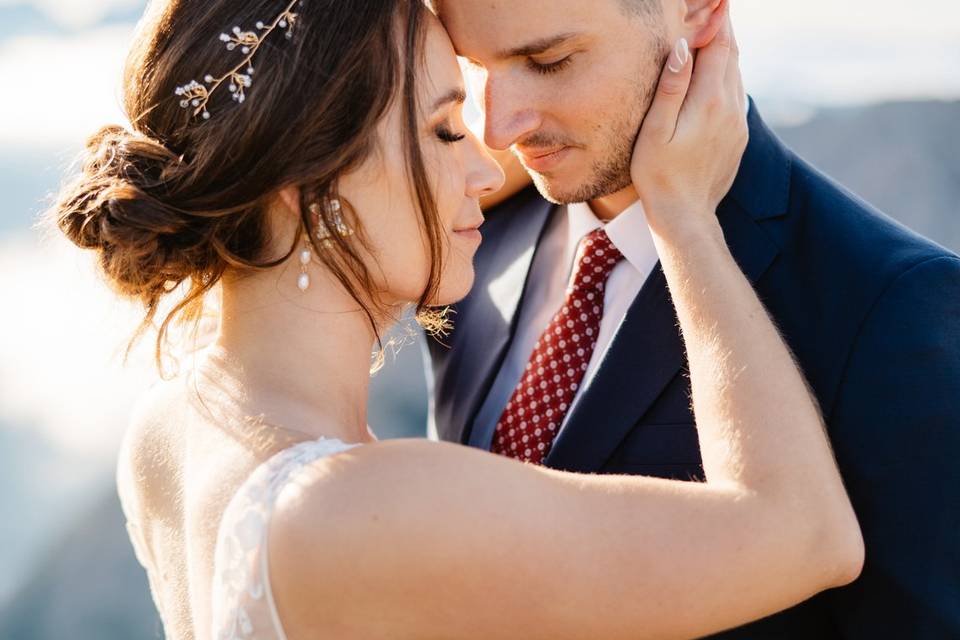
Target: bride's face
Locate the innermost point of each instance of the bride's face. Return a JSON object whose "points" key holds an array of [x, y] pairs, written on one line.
{"points": [[459, 170]]}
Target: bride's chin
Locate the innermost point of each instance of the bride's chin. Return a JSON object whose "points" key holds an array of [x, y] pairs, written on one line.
{"points": [[454, 288]]}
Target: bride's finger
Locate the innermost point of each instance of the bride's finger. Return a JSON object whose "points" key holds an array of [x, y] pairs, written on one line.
{"points": [[661, 119], [711, 65], [741, 94], [733, 57], [734, 77]]}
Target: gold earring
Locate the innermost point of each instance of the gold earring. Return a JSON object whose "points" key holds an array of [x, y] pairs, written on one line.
{"points": [[324, 237], [335, 211]]}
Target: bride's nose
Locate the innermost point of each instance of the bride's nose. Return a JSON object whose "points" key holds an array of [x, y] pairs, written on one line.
{"points": [[484, 175]]}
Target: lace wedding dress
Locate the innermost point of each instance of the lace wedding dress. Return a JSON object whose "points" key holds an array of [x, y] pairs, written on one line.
{"points": [[243, 605]]}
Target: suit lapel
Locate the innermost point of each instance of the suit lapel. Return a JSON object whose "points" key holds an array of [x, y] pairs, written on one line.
{"points": [[486, 320], [646, 352]]}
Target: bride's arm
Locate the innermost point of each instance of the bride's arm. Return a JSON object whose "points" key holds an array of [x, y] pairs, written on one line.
{"points": [[426, 540]]}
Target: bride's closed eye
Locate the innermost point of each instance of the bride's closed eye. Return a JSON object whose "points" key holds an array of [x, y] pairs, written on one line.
{"points": [[446, 134]]}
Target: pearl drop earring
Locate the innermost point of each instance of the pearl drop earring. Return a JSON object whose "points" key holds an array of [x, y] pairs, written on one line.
{"points": [[323, 235], [306, 257]]}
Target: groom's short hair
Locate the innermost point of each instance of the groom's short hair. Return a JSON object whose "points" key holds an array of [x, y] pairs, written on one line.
{"points": [[642, 8], [635, 8]]}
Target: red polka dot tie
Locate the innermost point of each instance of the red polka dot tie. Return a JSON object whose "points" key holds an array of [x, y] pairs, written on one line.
{"points": [[560, 358]]}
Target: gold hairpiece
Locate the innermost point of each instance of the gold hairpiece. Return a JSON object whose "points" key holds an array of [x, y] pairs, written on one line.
{"points": [[196, 95]]}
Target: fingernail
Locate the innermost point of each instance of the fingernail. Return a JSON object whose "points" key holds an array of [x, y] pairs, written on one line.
{"points": [[680, 55]]}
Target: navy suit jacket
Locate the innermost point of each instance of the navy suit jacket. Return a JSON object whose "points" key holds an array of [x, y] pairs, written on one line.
{"points": [[872, 312]]}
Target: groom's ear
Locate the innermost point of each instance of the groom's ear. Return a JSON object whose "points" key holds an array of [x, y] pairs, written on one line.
{"points": [[702, 20]]}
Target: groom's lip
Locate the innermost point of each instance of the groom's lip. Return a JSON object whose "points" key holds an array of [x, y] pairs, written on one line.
{"points": [[543, 159]]}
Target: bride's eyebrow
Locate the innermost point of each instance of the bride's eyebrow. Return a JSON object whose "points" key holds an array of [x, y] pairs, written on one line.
{"points": [[457, 95], [537, 46]]}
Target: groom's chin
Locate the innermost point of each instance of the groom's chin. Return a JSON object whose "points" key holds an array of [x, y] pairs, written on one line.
{"points": [[568, 191], [547, 190], [558, 188]]}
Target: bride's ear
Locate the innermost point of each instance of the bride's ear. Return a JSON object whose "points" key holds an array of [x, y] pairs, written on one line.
{"points": [[290, 197], [702, 20]]}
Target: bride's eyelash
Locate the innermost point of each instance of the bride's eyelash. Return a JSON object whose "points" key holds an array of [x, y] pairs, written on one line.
{"points": [[448, 136], [552, 67]]}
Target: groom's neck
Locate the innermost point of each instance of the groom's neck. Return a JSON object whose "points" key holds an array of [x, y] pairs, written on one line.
{"points": [[610, 206]]}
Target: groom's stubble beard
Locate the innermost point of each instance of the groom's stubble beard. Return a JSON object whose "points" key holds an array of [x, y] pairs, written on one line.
{"points": [[610, 173]]}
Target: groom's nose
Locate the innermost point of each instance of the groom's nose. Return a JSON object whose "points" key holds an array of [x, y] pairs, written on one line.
{"points": [[509, 114]]}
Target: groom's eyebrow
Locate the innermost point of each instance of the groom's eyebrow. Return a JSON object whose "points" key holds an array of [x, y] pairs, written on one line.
{"points": [[537, 46]]}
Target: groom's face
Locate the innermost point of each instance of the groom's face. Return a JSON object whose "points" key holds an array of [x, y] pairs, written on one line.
{"points": [[566, 83]]}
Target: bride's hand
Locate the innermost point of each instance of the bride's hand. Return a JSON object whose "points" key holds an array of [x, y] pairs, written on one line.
{"points": [[691, 142]]}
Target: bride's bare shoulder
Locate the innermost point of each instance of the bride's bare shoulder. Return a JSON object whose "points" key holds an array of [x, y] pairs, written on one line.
{"points": [[387, 482], [383, 524], [149, 449], [340, 512], [371, 470]]}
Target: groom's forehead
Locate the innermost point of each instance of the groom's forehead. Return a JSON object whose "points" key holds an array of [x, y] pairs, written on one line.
{"points": [[541, 7], [500, 28]]}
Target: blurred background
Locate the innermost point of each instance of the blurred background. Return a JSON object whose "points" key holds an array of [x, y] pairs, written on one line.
{"points": [[868, 90]]}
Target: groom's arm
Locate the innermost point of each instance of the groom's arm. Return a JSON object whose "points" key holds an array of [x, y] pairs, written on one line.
{"points": [[896, 433]]}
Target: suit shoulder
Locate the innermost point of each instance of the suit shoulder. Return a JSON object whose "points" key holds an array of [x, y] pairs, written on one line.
{"points": [[843, 227]]}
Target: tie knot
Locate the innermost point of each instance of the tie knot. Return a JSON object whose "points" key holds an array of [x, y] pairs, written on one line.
{"points": [[596, 258]]}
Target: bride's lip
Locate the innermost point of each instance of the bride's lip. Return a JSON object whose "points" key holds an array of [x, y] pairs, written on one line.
{"points": [[544, 160], [473, 234], [471, 231], [473, 225]]}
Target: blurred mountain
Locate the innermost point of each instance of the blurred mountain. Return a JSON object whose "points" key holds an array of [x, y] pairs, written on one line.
{"points": [[38, 498], [901, 157], [89, 586]]}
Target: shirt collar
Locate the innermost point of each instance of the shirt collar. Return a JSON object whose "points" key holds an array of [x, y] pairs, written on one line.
{"points": [[628, 232]]}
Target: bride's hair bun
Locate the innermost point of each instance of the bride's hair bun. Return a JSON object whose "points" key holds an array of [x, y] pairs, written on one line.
{"points": [[184, 199], [120, 207]]}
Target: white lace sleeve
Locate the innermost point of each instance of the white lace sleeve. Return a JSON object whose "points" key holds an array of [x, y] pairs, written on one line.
{"points": [[243, 606]]}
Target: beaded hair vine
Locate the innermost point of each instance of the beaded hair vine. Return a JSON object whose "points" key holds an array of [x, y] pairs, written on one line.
{"points": [[197, 95]]}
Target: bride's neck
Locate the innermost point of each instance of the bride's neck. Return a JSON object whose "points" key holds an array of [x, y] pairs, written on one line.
{"points": [[299, 359]]}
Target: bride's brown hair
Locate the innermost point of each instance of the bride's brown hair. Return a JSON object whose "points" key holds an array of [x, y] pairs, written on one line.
{"points": [[181, 198]]}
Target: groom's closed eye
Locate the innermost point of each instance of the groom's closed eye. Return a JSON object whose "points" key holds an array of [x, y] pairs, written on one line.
{"points": [[547, 55], [547, 68], [539, 46]]}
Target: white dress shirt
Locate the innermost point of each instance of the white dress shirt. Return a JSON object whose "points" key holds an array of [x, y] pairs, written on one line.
{"points": [[549, 276]]}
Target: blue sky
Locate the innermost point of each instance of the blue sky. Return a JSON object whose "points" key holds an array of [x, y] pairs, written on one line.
{"points": [[69, 52]]}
